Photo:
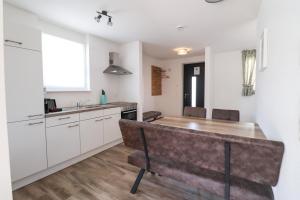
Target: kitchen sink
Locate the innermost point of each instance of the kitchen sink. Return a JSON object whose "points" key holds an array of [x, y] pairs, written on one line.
{"points": [[95, 106]]}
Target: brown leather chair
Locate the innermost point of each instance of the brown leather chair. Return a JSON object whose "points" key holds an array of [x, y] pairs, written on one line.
{"points": [[230, 115], [194, 112]]}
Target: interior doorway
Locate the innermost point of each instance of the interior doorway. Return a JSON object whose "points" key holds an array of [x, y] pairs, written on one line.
{"points": [[194, 84]]}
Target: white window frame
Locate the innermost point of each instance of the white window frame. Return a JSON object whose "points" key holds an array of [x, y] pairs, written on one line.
{"points": [[86, 88]]}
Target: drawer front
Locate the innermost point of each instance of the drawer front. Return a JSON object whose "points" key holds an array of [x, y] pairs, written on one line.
{"points": [[91, 114], [63, 143], [63, 119], [112, 111]]}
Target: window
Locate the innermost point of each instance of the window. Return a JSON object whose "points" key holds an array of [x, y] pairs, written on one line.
{"points": [[194, 89], [64, 64]]}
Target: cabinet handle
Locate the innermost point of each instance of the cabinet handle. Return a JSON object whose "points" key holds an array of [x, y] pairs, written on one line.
{"points": [[126, 112], [39, 115], [12, 41], [31, 124], [73, 126], [98, 120], [108, 118], [64, 118]]}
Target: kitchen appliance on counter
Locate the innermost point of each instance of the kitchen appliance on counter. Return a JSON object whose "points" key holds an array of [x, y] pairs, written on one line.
{"points": [[128, 110], [50, 106]]}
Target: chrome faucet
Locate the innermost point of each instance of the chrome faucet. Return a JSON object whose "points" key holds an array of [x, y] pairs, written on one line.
{"points": [[81, 103]]}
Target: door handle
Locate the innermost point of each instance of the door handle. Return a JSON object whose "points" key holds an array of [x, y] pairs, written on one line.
{"points": [[64, 118], [126, 112], [98, 120], [15, 42], [108, 118], [73, 126], [37, 123], [39, 115]]}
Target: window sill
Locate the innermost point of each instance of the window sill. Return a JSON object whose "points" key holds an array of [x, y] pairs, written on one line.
{"points": [[53, 90]]}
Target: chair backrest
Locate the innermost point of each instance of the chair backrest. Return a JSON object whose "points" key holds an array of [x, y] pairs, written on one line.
{"points": [[194, 112], [251, 159], [230, 115]]}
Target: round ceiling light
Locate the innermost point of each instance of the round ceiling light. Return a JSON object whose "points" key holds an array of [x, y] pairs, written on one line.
{"points": [[213, 1], [181, 51]]}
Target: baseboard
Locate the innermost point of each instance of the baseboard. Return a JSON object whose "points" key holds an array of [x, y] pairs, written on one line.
{"points": [[30, 179]]}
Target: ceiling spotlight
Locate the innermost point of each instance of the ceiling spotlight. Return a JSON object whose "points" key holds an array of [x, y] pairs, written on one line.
{"points": [[182, 51], [101, 14], [213, 1], [97, 18], [109, 23]]}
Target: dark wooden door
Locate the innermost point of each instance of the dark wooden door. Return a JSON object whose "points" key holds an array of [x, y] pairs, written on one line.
{"points": [[194, 85]]}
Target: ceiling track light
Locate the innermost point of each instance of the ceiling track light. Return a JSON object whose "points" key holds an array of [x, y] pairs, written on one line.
{"points": [[105, 14]]}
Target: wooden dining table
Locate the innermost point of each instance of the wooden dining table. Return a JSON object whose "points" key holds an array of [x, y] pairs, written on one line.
{"points": [[241, 129]]}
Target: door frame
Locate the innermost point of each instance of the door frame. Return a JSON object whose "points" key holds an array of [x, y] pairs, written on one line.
{"points": [[189, 63]]}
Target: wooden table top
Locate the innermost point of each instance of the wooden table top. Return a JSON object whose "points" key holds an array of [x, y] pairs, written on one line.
{"points": [[242, 129]]}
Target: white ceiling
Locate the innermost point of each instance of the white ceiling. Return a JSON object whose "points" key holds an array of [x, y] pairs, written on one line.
{"points": [[154, 21]]}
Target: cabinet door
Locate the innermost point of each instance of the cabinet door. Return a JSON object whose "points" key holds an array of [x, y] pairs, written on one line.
{"points": [[22, 36], [111, 128], [24, 84], [27, 146], [63, 143], [91, 134]]}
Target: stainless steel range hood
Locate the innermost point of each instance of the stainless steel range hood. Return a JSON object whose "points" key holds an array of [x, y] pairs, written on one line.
{"points": [[115, 65]]}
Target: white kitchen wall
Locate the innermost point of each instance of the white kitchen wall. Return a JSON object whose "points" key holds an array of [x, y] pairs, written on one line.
{"points": [[5, 180], [118, 88], [228, 80], [277, 96], [131, 86], [148, 99], [98, 60]]}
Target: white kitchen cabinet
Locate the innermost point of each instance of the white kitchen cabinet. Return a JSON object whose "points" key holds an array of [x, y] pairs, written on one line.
{"points": [[22, 36], [111, 128], [24, 84], [62, 119], [27, 146], [63, 143], [91, 134]]}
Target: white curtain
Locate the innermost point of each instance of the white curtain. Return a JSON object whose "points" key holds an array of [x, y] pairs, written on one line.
{"points": [[249, 72]]}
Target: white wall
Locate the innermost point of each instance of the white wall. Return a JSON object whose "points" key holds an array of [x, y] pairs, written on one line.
{"points": [[209, 81], [228, 80], [131, 86], [148, 99], [278, 90], [5, 179]]}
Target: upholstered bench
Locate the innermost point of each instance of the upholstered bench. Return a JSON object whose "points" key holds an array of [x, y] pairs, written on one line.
{"points": [[151, 115], [232, 167]]}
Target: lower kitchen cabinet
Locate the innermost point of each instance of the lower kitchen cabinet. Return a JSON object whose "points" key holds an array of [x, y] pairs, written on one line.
{"points": [[91, 134], [111, 128], [63, 143], [27, 146]]}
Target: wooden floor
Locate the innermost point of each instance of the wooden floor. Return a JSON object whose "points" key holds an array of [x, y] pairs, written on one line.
{"points": [[107, 176]]}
